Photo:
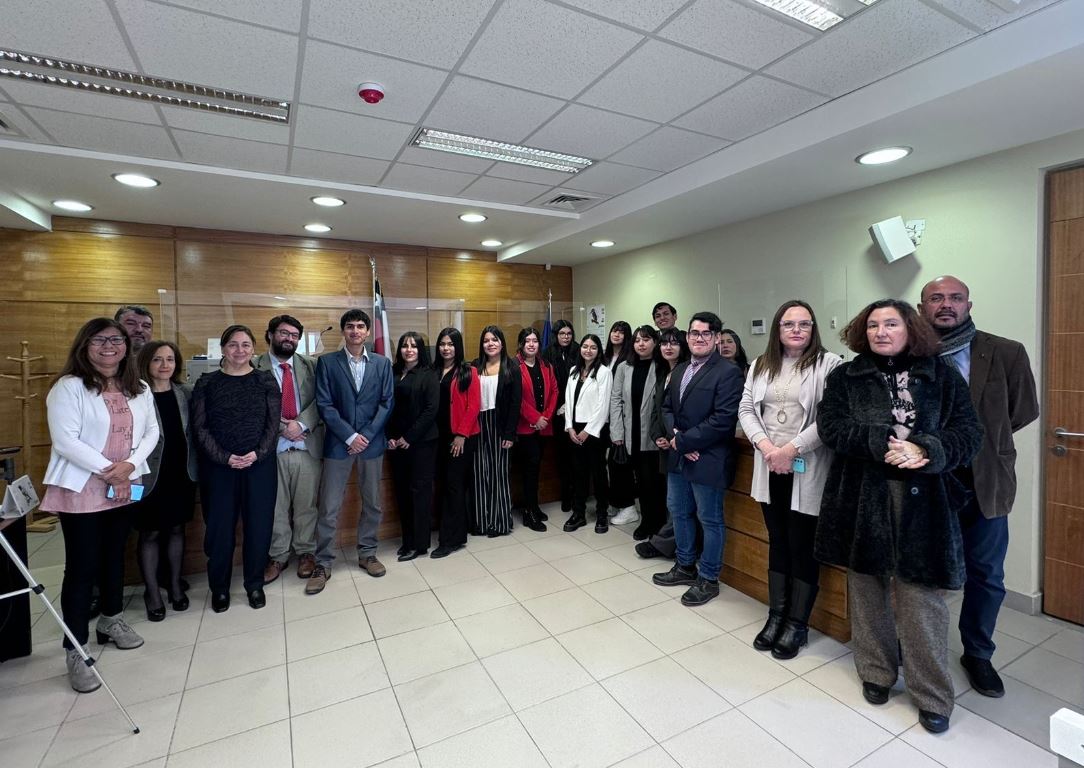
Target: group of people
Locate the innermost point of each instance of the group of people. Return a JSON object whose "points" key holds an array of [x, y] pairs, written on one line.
{"points": [[880, 464]]}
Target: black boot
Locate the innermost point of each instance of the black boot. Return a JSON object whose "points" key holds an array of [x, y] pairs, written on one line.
{"points": [[578, 520], [795, 632], [532, 521], [541, 515], [602, 521], [777, 611]]}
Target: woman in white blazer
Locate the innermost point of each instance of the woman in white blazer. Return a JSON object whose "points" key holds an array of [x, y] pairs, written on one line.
{"points": [[587, 407], [103, 427], [778, 414]]}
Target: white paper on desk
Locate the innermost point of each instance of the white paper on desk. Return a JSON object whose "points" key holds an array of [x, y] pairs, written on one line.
{"points": [[19, 498]]}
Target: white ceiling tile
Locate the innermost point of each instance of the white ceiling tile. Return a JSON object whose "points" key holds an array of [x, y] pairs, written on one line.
{"points": [[660, 81], [985, 15], [750, 107], [489, 110], [590, 132], [734, 32], [349, 134], [330, 166], [643, 15], [668, 148], [541, 47], [879, 41], [226, 152], [89, 132], [528, 173], [281, 14], [20, 125], [503, 191], [186, 45], [84, 32], [429, 181], [432, 158], [225, 125], [332, 75], [611, 178], [434, 33], [83, 102]]}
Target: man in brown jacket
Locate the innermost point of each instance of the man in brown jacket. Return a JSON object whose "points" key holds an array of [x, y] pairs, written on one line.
{"points": [[1003, 392]]}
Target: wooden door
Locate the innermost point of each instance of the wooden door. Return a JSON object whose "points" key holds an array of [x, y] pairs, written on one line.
{"points": [[1063, 556]]}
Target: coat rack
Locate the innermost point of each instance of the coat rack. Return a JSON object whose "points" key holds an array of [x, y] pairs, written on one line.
{"points": [[37, 522]]}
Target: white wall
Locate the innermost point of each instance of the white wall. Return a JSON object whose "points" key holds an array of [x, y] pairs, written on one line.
{"points": [[983, 224]]}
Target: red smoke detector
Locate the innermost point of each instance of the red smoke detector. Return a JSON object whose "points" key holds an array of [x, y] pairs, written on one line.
{"points": [[371, 93]]}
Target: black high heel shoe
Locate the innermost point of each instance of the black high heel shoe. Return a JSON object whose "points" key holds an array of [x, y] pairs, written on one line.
{"points": [[181, 603], [154, 614]]}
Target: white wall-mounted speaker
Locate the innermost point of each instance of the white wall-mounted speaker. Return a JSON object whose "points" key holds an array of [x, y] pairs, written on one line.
{"points": [[892, 238]]}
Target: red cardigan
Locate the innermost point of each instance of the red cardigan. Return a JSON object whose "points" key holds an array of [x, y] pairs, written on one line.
{"points": [[528, 414], [465, 406]]}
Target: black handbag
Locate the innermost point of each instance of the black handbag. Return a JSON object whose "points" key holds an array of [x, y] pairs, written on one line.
{"points": [[619, 454]]}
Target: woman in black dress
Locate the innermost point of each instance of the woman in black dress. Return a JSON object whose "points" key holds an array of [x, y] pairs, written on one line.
{"points": [[161, 516]]}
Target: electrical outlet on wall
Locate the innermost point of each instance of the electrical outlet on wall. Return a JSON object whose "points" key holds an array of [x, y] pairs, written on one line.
{"points": [[915, 228]]}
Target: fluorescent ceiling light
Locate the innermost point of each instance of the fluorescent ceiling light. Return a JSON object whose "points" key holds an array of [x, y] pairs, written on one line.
{"points": [[472, 218], [135, 180], [328, 202], [443, 141], [317, 227], [816, 16], [881, 156], [73, 205], [602, 244], [492, 243]]}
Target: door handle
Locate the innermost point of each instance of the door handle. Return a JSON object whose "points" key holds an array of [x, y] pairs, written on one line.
{"points": [[1063, 432]]}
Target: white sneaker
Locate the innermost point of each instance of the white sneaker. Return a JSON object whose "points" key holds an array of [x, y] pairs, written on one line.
{"points": [[626, 516]]}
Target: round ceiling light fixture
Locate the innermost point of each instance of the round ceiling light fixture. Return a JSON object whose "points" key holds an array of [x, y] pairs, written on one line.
{"points": [[602, 244], [472, 218], [491, 243], [75, 206], [328, 202], [882, 156], [318, 228], [137, 180]]}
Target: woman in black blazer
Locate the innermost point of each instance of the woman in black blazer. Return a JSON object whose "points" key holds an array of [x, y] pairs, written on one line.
{"points": [[501, 392], [412, 441]]}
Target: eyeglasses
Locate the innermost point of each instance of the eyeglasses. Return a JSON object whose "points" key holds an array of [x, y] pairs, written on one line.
{"points": [[670, 343], [101, 341], [801, 325], [288, 335], [701, 335]]}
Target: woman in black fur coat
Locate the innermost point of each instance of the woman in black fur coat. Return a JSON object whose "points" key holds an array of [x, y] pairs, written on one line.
{"points": [[900, 421]]}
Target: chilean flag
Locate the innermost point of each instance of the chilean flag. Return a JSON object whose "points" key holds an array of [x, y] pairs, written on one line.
{"points": [[381, 330]]}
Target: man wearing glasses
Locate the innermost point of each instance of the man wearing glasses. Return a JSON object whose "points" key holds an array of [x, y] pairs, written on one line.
{"points": [[700, 411], [299, 450]]}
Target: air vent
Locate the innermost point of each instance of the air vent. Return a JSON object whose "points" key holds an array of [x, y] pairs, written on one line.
{"points": [[569, 202]]}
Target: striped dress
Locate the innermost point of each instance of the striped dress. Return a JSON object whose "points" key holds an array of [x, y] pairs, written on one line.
{"points": [[492, 508]]}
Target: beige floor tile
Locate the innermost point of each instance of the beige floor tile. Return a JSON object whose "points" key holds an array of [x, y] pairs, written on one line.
{"points": [[897, 754], [672, 626], [664, 698], [608, 647], [820, 650], [27, 748], [327, 632], [338, 594], [1051, 672], [1009, 648], [138, 679], [329, 678], [974, 742], [397, 582], [839, 679], [456, 568], [403, 614], [449, 703], [232, 706], [553, 548], [536, 672], [568, 610], [500, 744], [655, 757], [583, 569], [500, 629], [1068, 643], [471, 597], [107, 739], [265, 745], [239, 618], [236, 655], [179, 630], [1031, 629], [538, 580], [625, 593], [422, 652], [732, 669], [733, 609], [624, 554], [359, 732], [733, 740], [510, 558], [37, 705]]}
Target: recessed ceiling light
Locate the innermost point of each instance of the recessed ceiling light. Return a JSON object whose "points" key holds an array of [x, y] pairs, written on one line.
{"points": [[135, 180], [813, 14], [881, 156], [317, 227], [472, 218], [602, 244], [328, 202], [492, 243], [73, 205], [472, 146]]}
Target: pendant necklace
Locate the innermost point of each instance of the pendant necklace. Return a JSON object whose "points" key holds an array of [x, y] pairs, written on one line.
{"points": [[781, 395]]}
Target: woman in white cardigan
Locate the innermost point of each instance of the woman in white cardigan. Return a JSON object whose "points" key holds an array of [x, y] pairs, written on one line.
{"points": [[103, 427], [778, 414], [587, 406]]}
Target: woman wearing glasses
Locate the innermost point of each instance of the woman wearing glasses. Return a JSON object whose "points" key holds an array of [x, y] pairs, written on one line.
{"points": [[103, 427], [778, 414]]}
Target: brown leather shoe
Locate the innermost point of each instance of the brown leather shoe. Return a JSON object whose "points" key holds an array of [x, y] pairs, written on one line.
{"points": [[372, 566], [317, 580], [273, 570], [305, 566]]}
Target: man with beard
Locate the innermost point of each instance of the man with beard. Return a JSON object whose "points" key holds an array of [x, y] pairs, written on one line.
{"points": [[1003, 392], [138, 323], [299, 451]]}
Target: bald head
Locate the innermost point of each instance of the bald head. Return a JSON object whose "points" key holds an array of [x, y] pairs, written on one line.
{"points": [[946, 302]]}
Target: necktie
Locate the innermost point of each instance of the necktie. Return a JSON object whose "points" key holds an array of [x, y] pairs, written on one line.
{"points": [[686, 378], [289, 399]]}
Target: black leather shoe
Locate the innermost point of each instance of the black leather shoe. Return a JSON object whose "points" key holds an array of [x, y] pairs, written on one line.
{"points": [[647, 550], [792, 637], [577, 521], [185, 586], [874, 694], [541, 515], [982, 676], [769, 633], [534, 522], [181, 603], [700, 592], [154, 614], [220, 602], [932, 722], [409, 554], [444, 550], [256, 598], [602, 525], [403, 550], [678, 576]]}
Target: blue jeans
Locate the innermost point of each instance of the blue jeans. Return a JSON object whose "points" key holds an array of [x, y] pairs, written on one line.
{"points": [[687, 503], [985, 544]]}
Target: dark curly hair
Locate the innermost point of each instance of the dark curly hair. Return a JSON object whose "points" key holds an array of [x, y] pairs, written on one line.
{"points": [[922, 340]]}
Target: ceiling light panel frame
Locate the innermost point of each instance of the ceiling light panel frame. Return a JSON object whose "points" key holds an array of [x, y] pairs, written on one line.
{"points": [[473, 146]]}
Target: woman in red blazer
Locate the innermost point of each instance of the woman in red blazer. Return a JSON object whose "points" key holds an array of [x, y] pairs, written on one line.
{"points": [[537, 404], [457, 422]]}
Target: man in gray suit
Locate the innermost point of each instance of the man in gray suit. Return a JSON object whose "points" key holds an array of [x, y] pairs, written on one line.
{"points": [[355, 393], [299, 450]]}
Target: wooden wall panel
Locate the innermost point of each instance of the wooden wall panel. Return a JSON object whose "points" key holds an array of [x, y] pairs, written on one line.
{"points": [[485, 286], [1065, 195], [201, 322]]}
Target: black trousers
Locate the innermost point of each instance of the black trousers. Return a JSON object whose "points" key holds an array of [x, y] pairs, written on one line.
{"points": [[622, 476], [94, 544], [412, 473], [589, 468], [228, 494], [453, 487], [528, 449], [562, 448], [652, 487], [790, 533]]}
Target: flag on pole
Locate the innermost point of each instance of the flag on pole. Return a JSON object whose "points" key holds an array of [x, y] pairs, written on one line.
{"points": [[549, 321], [381, 331]]}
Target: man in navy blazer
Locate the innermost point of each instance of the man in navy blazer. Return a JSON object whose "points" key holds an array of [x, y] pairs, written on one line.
{"points": [[355, 393], [700, 412]]}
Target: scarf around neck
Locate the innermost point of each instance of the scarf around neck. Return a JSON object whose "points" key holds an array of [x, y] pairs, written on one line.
{"points": [[955, 339]]}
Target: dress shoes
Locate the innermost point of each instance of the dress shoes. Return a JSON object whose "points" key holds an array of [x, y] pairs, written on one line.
{"points": [[647, 550], [273, 570], [256, 598], [874, 694], [220, 602], [602, 522], [982, 676], [153, 614], [306, 564], [181, 603], [412, 554], [541, 515], [403, 550], [533, 521], [933, 722], [703, 591], [575, 522], [444, 550], [678, 576]]}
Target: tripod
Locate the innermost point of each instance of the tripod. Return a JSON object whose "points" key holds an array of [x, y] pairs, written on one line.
{"points": [[37, 589]]}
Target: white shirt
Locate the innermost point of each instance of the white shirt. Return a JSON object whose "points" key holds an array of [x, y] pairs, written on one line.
{"points": [[489, 391]]}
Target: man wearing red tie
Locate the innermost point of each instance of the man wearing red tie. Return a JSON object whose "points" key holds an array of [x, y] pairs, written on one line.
{"points": [[299, 449]]}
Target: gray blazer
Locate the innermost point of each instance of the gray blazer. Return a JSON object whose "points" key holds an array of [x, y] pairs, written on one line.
{"points": [[183, 393], [621, 404], [304, 369]]}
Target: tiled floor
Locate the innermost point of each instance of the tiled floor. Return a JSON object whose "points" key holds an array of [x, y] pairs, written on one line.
{"points": [[532, 650]]}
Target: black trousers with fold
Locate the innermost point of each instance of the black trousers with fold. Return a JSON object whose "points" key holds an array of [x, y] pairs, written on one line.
{"points": [[453, 487], [790, 533], [230, 494], [589, 468], [412, 472], [528, 449], [94, 545]]}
